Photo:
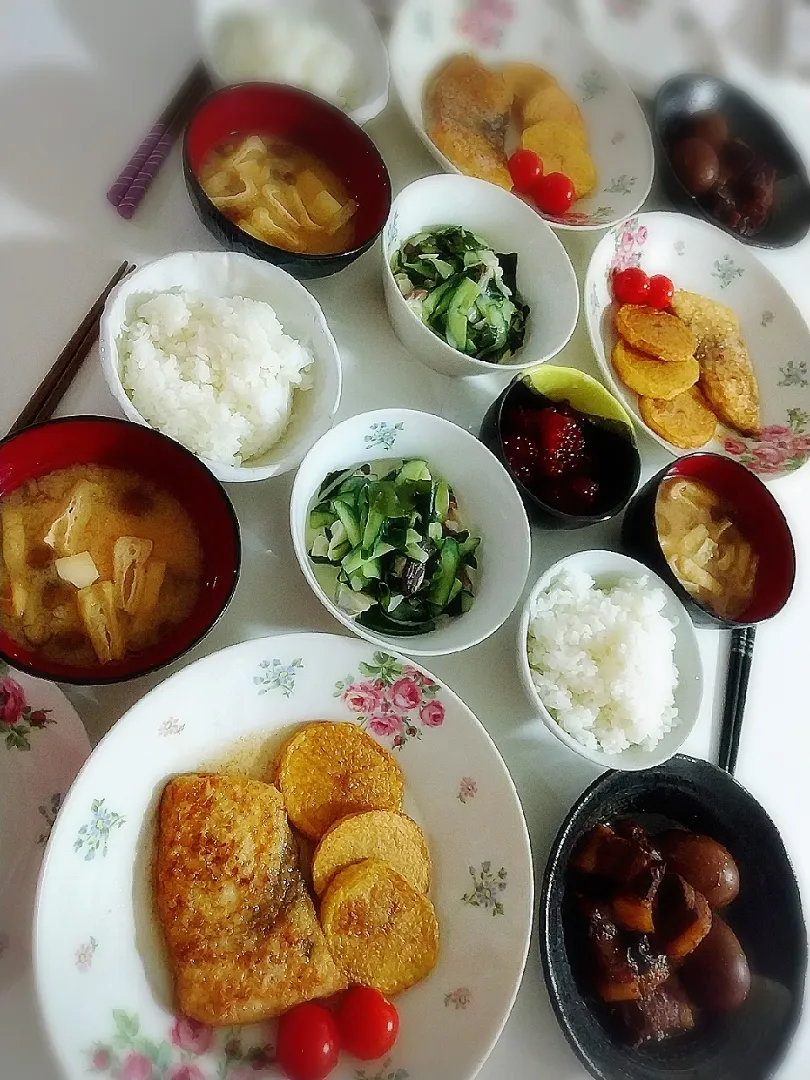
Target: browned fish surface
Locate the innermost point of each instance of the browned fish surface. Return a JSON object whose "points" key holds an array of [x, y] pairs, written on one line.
{"points": [[467, 111], [727, 376], [243, 939]]}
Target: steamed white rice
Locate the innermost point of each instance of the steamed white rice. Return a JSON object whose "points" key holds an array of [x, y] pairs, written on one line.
{"points": [[216, 374], [602, 661]]}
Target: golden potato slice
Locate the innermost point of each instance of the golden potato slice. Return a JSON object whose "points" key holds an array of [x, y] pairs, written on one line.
{"points": [[657, 333], [653, 378], [686, 421], [327, 771], [525, 80], [378, 834], [561, 148], [550, 102], [380, 930]]}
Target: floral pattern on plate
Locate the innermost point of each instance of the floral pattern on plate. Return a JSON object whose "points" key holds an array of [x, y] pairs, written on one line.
{"points": [[278, 676], [93, 838], [48, 812], [483, 22], [385, 1072], [778, 449], [459, 998], [18, 720], [130, 1055], [85, 954], [392, 700], [467, 789], [488, 884]]}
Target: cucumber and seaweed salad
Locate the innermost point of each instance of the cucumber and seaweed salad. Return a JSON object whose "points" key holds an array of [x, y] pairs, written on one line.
{"points": [[389, 548], [463, 291]]}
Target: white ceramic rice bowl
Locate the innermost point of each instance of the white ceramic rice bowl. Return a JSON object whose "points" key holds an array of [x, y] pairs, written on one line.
{"points": [[350, 20], [490, 507], [225, 274], [607, 568]]}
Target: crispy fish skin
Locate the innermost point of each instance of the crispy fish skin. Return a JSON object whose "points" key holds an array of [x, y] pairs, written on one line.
{"points": [[243, 938], [704, 316], [467, 110]]}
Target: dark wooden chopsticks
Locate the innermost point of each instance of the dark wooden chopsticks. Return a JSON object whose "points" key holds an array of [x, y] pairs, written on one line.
{"points": [[137, 175], [52, 389], [740, 656]]}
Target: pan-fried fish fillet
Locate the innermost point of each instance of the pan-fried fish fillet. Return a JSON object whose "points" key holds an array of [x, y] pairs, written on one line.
{"points": [[243, 938], [467, 109], [727, 376]]}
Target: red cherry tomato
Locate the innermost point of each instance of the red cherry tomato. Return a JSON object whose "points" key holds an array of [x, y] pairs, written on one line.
{"points": [[631, 286], [660, 292], [553, 194], [368, 1023], [308, 1042], [526, 168]]}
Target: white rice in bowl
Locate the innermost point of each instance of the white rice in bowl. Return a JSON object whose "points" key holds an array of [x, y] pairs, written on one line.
{"points": [[602, 661], [217, 374]]}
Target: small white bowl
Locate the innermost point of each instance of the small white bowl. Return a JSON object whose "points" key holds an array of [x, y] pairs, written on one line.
{"points": [[490, 507], [607, 568], [350, 20], [425, 36], [221, 273], [701, 258], [546, 278]]}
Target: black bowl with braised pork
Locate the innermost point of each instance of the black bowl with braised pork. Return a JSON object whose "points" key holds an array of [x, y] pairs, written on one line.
{"points": [[671, 928]]}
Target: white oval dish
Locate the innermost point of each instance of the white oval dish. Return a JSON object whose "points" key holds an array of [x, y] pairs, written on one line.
{"points": [[95, 882], [350, 20], [703, 259], [489, 507], [425, 35], [607, 568], [219, 273], [546, 278]]}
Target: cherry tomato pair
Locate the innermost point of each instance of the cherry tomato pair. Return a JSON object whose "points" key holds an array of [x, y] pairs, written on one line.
{"points": [[632, 286], [553, 194], [310, 1037]]}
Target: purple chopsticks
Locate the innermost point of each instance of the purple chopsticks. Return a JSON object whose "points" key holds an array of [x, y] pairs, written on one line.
{"points": [[137, 175]]}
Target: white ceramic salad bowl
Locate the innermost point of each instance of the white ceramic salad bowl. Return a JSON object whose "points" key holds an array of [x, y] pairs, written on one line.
{"points": [[103, 979], [703, 259], [607, 568], [489, 506], [427, 33], [349, 20], [226, 274], [546, 278]]}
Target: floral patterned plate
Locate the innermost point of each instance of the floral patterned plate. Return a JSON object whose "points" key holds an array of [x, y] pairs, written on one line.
{"points": [[42, 746], [703, 259], [101, 969], [427, 33]]}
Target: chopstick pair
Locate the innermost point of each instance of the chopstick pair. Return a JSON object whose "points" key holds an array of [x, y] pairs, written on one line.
{"points": [[45, 399], [740, 657], [137, 175]]}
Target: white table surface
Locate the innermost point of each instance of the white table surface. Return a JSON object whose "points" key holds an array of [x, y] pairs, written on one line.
{"points": [[80, 82]]}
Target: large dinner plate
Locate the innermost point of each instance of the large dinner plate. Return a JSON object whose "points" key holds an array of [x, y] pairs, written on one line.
{"points": [[100, 964], [704, 259], [427, 33], [42, 747]]}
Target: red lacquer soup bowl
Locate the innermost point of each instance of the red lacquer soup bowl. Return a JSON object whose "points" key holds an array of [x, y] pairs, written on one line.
{"points": [[758, 516], [311, 123], [97, 440]]}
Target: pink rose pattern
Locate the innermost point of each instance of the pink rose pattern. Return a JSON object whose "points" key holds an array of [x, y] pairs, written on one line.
{"points": [[778, 449], [484, 22], [630, 238], [17, 719], [392, 700], [130, 1055]]}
